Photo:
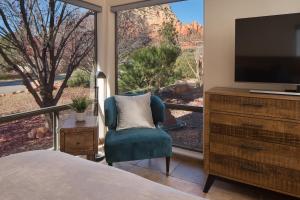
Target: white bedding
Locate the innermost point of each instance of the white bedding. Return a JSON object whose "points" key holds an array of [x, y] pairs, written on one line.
{"points": [[43, 175]]}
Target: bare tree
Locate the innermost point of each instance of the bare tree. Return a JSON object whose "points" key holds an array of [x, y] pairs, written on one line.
{"points": [[40, 37]]}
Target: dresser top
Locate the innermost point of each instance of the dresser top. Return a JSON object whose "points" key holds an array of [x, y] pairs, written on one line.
{"points": [[247, 93]]}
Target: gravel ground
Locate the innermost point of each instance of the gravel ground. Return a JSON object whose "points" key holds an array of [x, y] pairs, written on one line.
{"points": [[190, 136], [13, 136], [21, 102]]}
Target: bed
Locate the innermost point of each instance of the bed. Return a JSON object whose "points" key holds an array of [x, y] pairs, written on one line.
{"points": [[43, 175]]}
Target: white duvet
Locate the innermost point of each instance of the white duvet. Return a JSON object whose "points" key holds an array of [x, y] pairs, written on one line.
{"points": [[43, 175]]}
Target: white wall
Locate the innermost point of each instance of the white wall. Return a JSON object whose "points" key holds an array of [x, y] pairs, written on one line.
{"points": [[219, 34]]}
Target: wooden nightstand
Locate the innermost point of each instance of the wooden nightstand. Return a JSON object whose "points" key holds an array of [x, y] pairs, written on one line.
{"points": [[80, 138]]}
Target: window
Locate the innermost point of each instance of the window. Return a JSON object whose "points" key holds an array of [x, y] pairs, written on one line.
{"points": [[47, 57], [160, 49]]}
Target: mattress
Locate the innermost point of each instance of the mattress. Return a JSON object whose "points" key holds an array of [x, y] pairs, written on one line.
{"points": [[43, 175]]}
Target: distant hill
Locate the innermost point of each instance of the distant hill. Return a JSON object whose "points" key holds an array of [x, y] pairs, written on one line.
{"points": [[139, 27]]}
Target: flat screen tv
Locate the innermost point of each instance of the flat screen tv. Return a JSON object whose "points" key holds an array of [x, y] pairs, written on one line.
{"points": [[267, 49]]}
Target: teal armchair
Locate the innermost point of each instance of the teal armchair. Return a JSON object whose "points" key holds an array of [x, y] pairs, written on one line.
{"points": [[136, 143]]}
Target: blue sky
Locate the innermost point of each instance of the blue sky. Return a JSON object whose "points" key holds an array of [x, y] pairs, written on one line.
{"points": [[189, 11]]}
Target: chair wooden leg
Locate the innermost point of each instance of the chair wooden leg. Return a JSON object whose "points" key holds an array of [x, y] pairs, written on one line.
{"points": [[110, 164], [167, 165], [209, 181]]}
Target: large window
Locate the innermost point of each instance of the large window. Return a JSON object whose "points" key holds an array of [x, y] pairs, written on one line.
{"points": [[160, 49], [47, 57]]}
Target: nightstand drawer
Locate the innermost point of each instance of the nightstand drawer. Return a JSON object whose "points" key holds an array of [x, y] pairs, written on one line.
{"points": [[79, 141]]}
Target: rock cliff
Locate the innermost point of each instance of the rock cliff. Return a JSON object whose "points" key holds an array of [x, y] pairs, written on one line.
{"points": [[138, 27]]}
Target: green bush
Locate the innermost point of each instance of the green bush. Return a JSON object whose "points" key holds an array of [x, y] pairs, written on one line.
{"points": [[80, 104], [149, 68], [152, 67], [80, 78]]}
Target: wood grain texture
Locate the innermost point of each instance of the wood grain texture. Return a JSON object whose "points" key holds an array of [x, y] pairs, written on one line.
{"points": [[253, 138], [206, 134]]}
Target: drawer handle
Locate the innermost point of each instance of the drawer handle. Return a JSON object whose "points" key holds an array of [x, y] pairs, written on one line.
{"points": [[254, 148], [257, 105], [258, 126], [77, 143], [250, 168]]}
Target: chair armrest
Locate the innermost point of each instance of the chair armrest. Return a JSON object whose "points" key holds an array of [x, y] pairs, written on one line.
{"points": [[158, 109], [110, 112]]}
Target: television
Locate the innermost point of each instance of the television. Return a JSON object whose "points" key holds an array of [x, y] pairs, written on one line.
{"points": [[267, 49]]}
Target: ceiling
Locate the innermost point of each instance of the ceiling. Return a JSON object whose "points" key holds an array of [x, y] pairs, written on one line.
{"points": [[112, 2]]}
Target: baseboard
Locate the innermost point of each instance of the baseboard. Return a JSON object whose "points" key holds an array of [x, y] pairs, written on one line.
{"points": [[188, 153]]}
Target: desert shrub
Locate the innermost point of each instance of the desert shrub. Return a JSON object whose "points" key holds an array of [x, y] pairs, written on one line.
{"points": [[186, 65], [149, 67], [80, 78], [152, 67]]}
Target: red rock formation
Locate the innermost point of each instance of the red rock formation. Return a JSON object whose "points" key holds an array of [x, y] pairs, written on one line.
{"points": [[190, 35], [187, 29]]}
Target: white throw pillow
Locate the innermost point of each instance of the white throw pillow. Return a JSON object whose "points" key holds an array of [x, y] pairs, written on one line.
{"points": [[134, 112]]}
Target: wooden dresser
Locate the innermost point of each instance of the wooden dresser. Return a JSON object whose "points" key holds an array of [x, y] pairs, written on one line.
{"points": [[253, 139]]}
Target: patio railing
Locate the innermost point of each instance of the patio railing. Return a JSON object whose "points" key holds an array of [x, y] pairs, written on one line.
{"points": [[53, 111], [184, 107]]}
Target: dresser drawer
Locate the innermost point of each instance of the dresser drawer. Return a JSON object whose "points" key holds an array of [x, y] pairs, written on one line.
{"points": [[268, 176], [79, 142], [286, 109], [271, 131], [256, 151]]}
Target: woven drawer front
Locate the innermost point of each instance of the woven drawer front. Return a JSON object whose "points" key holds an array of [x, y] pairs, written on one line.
{"points": [[278, 132], [269, 176], [79, 142], [256, 151], [255, 106]]}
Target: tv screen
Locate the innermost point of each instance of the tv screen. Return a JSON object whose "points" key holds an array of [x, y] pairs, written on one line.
{"points": [[267, 49]]}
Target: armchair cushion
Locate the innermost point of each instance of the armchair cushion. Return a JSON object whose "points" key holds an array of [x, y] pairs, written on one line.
{"points": [[134, 111], [111, 111], [137, 144]]}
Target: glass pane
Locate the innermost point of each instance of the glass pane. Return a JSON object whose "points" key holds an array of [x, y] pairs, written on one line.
{"points": [[45, 75], [160, 49], [185, 128]]}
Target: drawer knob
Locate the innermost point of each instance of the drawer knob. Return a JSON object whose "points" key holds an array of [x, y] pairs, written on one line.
{"points": [[77, 143]]}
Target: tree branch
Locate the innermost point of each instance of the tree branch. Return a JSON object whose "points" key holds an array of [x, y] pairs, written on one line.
{"points": [[24, 77], [32, 42], [64, 40]]}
